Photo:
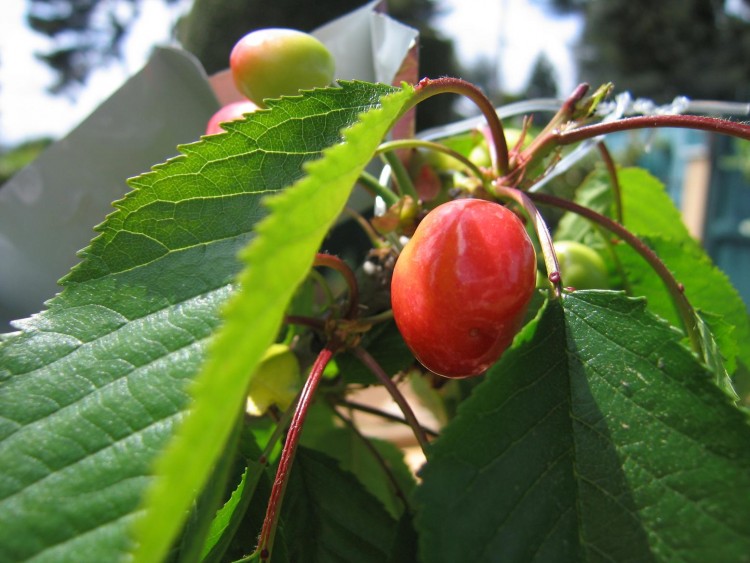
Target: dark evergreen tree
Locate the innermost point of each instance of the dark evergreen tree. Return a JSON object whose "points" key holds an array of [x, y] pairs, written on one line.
{"points": [[659, 50], [542, 81]]}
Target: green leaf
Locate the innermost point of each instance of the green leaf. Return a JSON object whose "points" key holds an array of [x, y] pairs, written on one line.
{"points": [[377, 464], [598, 437], [276, 262], [92, 389], [647, 208], [594, 193], [651, 214], [328, 516], [229, 517], [707, 288]]}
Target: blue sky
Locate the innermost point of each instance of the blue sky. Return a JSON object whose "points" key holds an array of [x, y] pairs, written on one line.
{"points": [[26, 111]]}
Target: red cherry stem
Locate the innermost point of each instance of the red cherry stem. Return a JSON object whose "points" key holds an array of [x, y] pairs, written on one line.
{"points": [[336, 263], [702, 123], [372, 364], [271, 520], [711, 124], [542, 232], [682, 305], [428, 87]]}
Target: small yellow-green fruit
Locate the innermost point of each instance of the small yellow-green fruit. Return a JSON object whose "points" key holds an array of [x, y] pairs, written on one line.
{"points": [[276, 381]]}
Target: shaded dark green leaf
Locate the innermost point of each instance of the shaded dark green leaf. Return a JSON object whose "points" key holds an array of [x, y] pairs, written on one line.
{"points": [[329, 516], [598, 438]]}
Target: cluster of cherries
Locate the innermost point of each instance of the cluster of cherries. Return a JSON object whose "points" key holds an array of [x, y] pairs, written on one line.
{"points": [[462, 284], [273, 62]]}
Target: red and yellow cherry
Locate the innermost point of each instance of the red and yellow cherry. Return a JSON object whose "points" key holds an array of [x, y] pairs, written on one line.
{"points": [[274, 62], [229, 112], [461, 286]]}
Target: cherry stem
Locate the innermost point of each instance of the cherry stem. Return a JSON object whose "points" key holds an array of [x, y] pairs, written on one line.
{"points": [[429, 87], [375, 239], [372, 364], [336, 263], [682, 305], [372, 185], [273, 511], [384, 466], [699, 122], [542, 232], [612, 171], [433, 146], [382, 414], [403, 181]]}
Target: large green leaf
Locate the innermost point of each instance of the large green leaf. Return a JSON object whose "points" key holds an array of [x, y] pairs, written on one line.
{"points": [[276, 263], [328, 516], [92, 388], [599, 437], [651, 214], [377, 464]]}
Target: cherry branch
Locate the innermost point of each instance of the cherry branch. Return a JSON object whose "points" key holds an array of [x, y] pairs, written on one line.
{"points": [[371, 364], [684, 308], [542, 232], [353, 405], [273, 511], [429, 87]]}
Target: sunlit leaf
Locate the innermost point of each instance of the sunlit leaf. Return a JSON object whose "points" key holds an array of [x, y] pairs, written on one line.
{"points": [[276, 263], [93, 387]]}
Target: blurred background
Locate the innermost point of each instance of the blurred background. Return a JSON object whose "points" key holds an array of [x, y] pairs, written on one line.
{"points": [[60, 58]]}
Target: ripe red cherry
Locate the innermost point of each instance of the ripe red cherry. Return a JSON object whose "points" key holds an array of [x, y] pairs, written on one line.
{"points": [[462, 284], [229, 112]]}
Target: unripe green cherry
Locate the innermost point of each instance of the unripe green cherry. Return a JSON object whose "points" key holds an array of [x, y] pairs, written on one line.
{"points": [[276, 381], [581, 267], [274, 62]]}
